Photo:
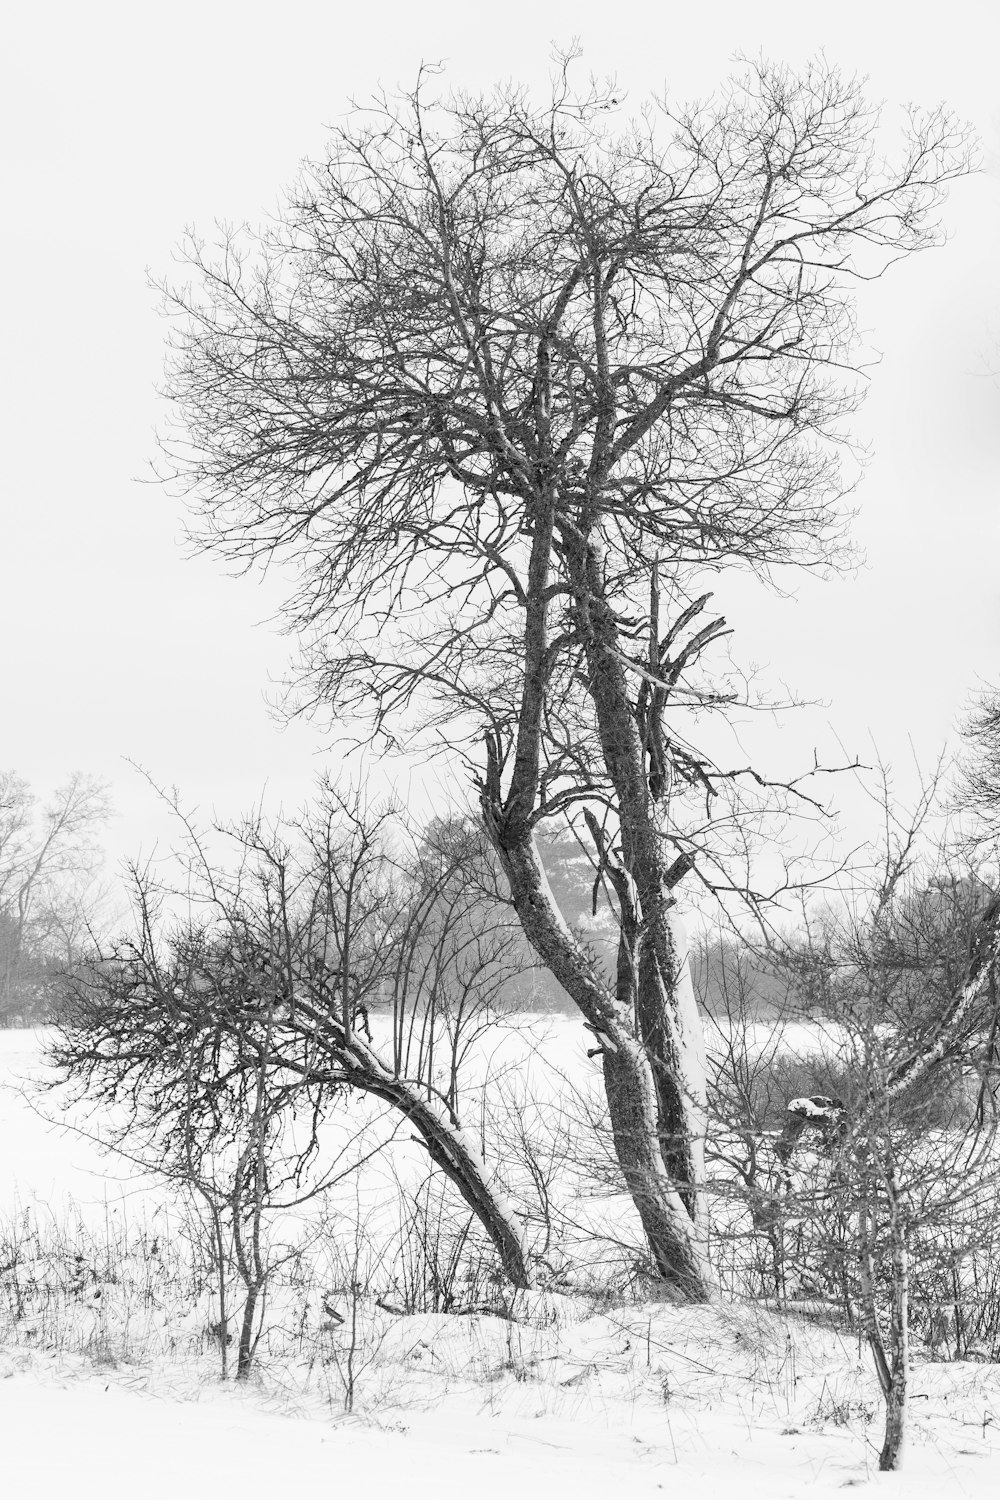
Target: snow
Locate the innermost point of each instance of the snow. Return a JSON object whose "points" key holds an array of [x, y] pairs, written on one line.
{"points": [[117, 1393], [811, 1109], [582, 1426]]}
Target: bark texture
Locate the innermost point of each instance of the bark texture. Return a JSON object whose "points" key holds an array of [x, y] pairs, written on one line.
{"points": [[655, 1117], [244, 1359], [891, 1456]]}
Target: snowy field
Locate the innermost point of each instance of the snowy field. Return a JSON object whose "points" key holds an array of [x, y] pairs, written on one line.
{"points": [[109, 1380]]}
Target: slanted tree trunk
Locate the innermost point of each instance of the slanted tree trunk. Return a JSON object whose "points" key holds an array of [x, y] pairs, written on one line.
{"points": [[340, 1054], [451, 1149], [827, 1114]]}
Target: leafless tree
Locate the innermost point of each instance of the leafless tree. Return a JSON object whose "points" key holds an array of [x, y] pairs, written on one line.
{"points": [[169, 1047], [505, 382], [978, 790], [907, 968], [48, 857], [306, 945]]}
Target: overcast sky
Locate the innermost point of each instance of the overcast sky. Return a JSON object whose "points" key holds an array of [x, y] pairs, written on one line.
{"points": [[123, 124]]}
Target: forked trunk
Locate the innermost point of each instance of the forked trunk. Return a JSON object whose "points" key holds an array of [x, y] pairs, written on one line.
{"points": [[675, 1243], [647, 1139], [652, 982], [644, 1020]]}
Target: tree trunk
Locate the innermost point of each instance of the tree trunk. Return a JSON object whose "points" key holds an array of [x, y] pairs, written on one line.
{"points": [[892, 1365], [670, 1028], [652, 978], [244, 1357], [645, 1022], [451, 1150], [635, 1103], [448, 1145], [676, 1246], [982, 963], [891, 1456]]}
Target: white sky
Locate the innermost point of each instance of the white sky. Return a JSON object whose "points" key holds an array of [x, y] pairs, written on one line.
{"points": [[124, 123]]}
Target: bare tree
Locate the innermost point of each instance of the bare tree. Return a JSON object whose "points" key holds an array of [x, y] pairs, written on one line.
{"points": [[308, 942], [872, 1208], [978, 790], [906, 968], [504, 383], [48, 856], [169, 1047]]}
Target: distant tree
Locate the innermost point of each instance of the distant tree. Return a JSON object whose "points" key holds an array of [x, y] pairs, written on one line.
{"points": [[727, 972], [48, 857], [504, 384], [978, 793]]}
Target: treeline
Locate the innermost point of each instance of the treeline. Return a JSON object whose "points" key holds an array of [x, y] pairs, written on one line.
{"points": [[50, 857]]}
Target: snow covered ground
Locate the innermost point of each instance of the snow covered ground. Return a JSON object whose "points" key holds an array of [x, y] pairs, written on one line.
{"points": [[638, 1402], [116, 1390]]}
